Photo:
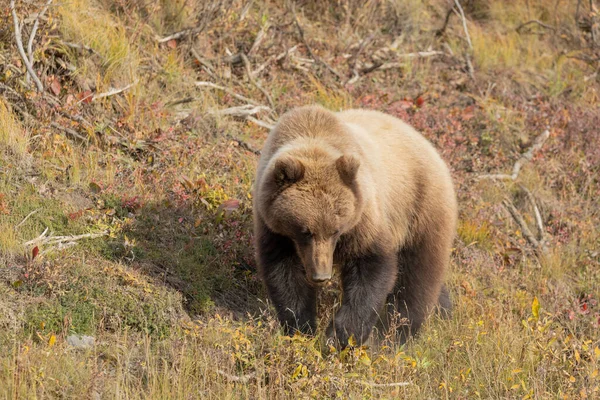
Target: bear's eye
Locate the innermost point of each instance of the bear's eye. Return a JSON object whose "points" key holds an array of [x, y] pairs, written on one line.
{"points": [[307, 233], [336, 233]]}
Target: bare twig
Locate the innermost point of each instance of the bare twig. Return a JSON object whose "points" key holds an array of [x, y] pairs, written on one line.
{"points": [[279, 57], [390, 384], [181, 34], [524, 228], [226, 90], [26, 218], [241, 379], [34, 31], [205, 63], [534, 21], [441, 31], [464, 22], [255, 82], [54, 240], [240, 111], [258, 122], [79, 47], [19, 40], [526, 157], [536, 213], [112, 92], [308, 48], [244, 145], [70, 132], [259, 38]]}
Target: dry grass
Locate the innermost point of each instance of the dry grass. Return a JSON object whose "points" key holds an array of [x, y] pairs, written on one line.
{"points": [[172, 296]]}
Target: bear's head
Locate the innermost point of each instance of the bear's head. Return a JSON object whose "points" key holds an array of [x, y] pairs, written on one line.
{"points": [[312, 197]]}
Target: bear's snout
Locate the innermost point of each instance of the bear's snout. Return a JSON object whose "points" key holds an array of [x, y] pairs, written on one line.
{"points": [[320, 277], [317, 257]]}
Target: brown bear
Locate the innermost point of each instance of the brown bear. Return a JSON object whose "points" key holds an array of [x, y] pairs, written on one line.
{"points": [[365, 192]]}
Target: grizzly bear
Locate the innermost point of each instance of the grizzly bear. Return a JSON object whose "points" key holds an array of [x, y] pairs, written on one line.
{"points": [[365, 192]]}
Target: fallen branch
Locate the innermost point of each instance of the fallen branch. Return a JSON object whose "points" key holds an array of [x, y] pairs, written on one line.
{"points": [[26, 218], [240, 111], [181, 34], [391, 384], [534, 21], [34, 31], [205, 63], [255, 82], [54, 240], [309, 49], [526, 157], [226, 90], [244, 145], [539, 249], [464, 22], [70, 132], [259, 38], [241, 379], [279, 57], [536, 213], [79, 47], [258, 122], [19, 40], [111, 92]]}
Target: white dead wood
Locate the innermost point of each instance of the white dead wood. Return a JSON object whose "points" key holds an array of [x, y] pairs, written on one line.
{"points": [[255, 82], [259, 38], [226, 90], [525, 157], [20, 224], [464, 23], [537, 214], [112, 92], [36, 23], [56, 240], [240, 111], [19, 41], [381, 385], [260, 123], [278, 57], [527, 234], [241, 379]]}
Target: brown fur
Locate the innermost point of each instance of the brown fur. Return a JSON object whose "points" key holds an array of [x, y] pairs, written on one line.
{"points": [[358, 189]]}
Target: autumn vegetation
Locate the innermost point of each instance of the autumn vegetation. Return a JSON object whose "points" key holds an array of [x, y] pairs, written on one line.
{"points": [[126, 168]]}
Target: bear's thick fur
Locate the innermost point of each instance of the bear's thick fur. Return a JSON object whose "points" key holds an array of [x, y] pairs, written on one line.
{"points": [[363, 191]]}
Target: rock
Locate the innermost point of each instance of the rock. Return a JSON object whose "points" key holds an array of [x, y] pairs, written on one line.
{"points": [[81, 342]]}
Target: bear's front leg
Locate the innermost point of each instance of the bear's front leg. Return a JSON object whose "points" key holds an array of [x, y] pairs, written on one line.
{"points": [[366, 283], [282, 272]]}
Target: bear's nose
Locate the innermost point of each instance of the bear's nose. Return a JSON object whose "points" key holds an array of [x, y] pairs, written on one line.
{"points": [[320, 277]]}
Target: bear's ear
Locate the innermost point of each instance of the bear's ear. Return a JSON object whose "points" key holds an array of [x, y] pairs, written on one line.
{"points": [[347, 167], [288, 170]]}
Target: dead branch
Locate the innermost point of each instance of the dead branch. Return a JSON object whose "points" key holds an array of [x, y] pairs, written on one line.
{"points": [[226, 90], [539, 249], [54, 240], [73, 134], [240, 111], [181, 34], [111, 92], [241, 379], [534, 21], [536, 213], [380, 385], [258, 122], [526, 157], [26, 218], [19, 40], [205, 63], [308, 48], [34, 31], [277, 58], [392, 65], [244, 145], [259, 38], [255, 82], [442, 30], [464, 22], [79, 47]]}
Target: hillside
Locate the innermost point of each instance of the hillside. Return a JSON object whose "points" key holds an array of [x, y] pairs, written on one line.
{"points": [[127, 155]]}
